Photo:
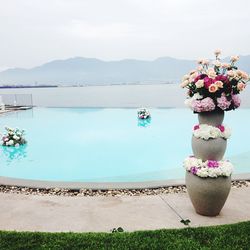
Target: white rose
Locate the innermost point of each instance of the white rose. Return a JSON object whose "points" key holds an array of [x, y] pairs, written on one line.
{"points": [[227, 133], [215, 132], [211, 73], [217, 52], [15, 137], [188, 102], [225, 65], [199, 84], [184, 84], [185, 77], [217, 63], [11, 142], [205, 62], [193, 76], [234, 58], [231, 73], [197, 96]]}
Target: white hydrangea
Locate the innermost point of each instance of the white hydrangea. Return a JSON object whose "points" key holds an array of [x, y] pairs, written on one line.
{"points": [[188, 102], [206, 132], [204, 169]]}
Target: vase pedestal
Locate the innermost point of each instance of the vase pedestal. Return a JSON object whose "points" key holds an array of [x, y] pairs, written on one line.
{"points": [[208, 195]]}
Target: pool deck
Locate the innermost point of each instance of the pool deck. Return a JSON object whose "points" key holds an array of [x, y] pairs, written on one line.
{"points": [[101, 214]]}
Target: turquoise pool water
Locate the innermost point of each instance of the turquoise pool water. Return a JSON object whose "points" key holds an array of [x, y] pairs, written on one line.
{"points": [[81, 144]]}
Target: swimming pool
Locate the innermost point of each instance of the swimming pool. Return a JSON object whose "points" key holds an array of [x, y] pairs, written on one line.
{"points": [[111, 145]]}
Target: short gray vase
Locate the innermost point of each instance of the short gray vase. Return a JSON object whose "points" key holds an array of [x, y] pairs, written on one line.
{"points": [[211, 149], [213, 118]]}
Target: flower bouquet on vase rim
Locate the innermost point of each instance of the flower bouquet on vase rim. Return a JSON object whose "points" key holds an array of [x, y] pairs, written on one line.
{"points": [[215, 86]]}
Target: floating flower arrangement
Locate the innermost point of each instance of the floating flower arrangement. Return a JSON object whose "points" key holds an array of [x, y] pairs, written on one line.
{"points": [[13, 137], [143, 113], [207, 132], [215, 86], [208, 168]]}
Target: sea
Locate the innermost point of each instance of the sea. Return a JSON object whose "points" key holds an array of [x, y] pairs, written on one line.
{"points": [[109, 96]]}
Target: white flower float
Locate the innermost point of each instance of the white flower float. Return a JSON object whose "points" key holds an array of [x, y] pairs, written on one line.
{"points": [[143, 113], [13, 137]]}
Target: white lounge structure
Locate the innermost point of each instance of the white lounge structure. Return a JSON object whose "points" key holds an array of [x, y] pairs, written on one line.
{"points": [[2, 105]]}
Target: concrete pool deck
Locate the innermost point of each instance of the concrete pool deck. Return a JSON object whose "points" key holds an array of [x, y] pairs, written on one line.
{"points": [[101, 214]]}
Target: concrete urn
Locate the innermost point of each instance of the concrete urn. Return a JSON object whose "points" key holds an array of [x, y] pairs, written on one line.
{"points": [[208, 195]]}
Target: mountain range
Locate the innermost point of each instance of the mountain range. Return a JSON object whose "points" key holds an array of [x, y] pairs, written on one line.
{"points": [[91, 71]]}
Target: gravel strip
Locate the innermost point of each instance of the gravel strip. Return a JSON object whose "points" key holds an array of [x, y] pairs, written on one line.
{"points": [[120, 192]]}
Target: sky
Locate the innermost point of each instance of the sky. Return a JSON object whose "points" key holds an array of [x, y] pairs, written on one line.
{"points": [[33, 32]]}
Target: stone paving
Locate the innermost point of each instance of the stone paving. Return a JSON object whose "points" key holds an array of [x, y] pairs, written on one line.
{"points": [[101, 214]]}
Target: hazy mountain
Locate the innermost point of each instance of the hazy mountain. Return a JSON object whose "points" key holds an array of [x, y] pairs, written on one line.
{"points": [[93, 71]]}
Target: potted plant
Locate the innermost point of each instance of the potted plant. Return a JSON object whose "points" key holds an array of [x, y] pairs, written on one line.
{"points": [[212, 90]]}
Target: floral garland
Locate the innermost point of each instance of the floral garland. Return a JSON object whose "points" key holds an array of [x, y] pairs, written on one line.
{"points": [[14, 137], [143, 113], [217, 87], [207, 132], [208, 168]]}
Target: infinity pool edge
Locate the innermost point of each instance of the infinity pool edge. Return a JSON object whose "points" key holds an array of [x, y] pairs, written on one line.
{"points": [[8, 181]]}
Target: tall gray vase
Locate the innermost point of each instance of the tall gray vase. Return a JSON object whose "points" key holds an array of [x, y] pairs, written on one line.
{"points": [[208, 195]]}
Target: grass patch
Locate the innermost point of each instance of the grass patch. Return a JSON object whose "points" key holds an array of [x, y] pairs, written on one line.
{"points": [[234, 236]]}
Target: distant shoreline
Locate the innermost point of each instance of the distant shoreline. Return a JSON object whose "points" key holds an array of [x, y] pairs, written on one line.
{"points": [[25, 87], [79, 86]]}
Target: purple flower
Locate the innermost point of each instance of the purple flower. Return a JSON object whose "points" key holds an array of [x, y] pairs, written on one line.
{"points": [[207, 104], [222, 78], [207, 82], [213, 164], [193, 170], [201, 76], [223, 103], [236, 100]]}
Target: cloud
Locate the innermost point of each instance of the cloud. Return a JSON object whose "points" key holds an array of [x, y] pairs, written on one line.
{"points": [[36, 31]]}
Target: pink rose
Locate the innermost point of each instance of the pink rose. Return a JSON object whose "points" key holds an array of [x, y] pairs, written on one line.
{"points": [[213, 88], [219, 84], [221, 128], [241, 86], [196, 127]]}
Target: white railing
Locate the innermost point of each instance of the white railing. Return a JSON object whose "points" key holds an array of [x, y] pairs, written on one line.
{"points": [[16, 100]]}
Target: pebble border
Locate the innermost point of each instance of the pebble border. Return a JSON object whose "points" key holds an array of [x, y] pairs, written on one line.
{"points": [[113, 193]]}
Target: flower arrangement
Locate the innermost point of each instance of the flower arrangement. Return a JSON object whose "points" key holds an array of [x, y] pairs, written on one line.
{"points": [[215, 86], [143, 113], [13, 137], [208, 168], [207, 132]]}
